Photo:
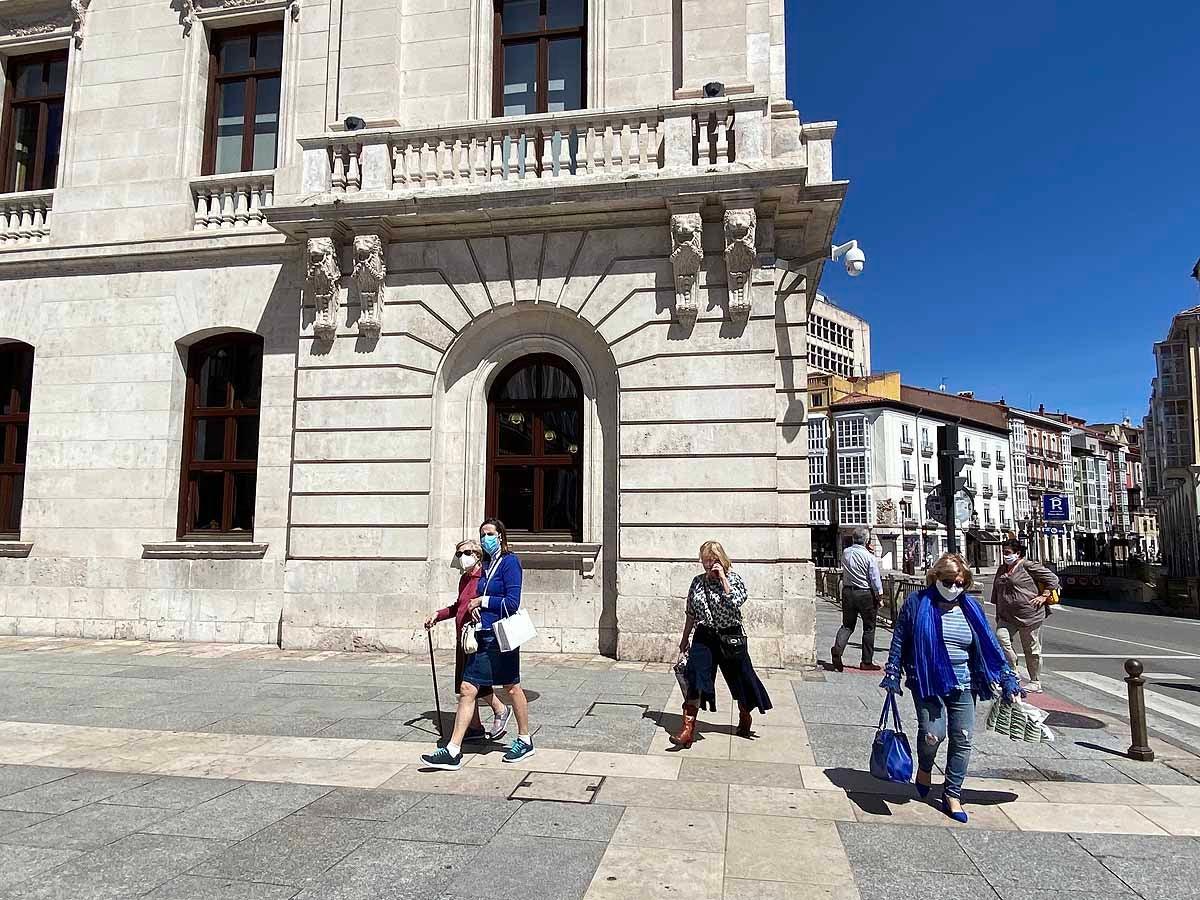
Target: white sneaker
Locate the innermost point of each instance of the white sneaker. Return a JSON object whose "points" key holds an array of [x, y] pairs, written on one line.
{"points": [[500, 725], [1033, 687]]}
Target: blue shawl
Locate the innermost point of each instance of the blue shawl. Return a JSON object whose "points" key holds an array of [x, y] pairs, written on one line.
{"points": [[931, 661]]}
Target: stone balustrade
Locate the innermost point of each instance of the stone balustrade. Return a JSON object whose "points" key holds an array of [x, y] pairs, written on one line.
{"points": [[25, 218], [225, 202], [681, 137]]}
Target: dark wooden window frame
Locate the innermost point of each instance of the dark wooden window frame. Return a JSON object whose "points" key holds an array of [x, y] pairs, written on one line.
{"points": [[229, 465], [12, 469], [251, 77], [538, 459], [8, 160], [542, 37]]}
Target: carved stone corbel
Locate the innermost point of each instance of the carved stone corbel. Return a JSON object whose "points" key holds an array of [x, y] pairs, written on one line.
{"points": [[324, 281], [187, 9], [740, 256], [370, 269], [687, 254], [79, 10]]}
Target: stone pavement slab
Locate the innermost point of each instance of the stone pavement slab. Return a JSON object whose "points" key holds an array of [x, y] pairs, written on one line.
{"points": [[383, 869], [736, 772], [882, 884], [904, 849], [1150, 878], [130, 867], [664, 794], [19, 863], [65, 794], [87, 827], [1090, 817], [745, 889], [359, 803], [12, 821], [174, 793], [527, 867], [770, 848], [627, 872], [1136, 846], [570, 821], [671, 829], [293, 851], [450, 819], [195, 887], [1027, 860], [791, 802], [239, 813]]}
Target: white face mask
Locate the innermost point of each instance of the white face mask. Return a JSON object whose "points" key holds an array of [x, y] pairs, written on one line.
{"points": [[1010, 558], [466, 561], [949, 594]]}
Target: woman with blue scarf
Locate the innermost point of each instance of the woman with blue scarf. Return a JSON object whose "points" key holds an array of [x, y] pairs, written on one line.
{"points": [[945, 647]]}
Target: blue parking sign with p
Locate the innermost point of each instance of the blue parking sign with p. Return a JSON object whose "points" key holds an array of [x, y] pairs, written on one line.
{"points": [[1055, 508]]}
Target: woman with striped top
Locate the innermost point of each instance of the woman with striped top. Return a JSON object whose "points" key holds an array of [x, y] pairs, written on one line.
{"points": [[943, 643]]}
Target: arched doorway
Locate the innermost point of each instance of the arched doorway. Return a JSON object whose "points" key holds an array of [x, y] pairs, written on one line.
{"points": [[535, 449]]}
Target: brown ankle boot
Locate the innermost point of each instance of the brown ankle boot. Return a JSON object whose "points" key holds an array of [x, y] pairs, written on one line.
{"points": [[743, 729], [688, 732]]}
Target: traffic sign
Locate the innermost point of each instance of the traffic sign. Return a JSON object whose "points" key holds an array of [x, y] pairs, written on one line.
{"points": [[1056, 508], [1054, 529]]}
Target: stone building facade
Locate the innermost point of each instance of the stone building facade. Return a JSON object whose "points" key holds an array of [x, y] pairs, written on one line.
{"points": [[296, 292]]}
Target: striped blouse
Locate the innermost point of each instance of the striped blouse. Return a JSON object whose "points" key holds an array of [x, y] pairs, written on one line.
{"points": [[956, 633]]}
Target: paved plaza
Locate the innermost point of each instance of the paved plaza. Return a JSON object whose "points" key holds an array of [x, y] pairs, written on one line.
{"points": [[197, 771]]}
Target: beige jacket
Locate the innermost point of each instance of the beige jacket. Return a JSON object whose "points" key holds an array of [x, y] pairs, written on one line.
{"points": [[1013, 593]]}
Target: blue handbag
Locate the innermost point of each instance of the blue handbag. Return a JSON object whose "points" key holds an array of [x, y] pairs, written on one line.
{"points": [[891, 757]]}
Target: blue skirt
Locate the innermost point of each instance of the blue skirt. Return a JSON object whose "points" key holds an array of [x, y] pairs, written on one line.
{"points": [[488, 667]]}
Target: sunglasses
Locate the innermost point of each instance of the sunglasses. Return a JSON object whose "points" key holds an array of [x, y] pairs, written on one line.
{"points": [[952, 583]]}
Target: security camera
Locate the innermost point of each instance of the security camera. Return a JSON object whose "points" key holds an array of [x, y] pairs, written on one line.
{"points": [[855, 259]]}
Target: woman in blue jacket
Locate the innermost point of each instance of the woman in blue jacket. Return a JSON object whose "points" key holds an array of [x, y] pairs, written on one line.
{"points": [[499, 597], [945, 647]]}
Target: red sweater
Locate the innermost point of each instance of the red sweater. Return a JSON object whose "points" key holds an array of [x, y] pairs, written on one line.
{"points": [[467, 589]]}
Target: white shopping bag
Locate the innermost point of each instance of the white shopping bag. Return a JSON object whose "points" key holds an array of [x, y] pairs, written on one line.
{"points": [[1019, 721], [514, 630]]}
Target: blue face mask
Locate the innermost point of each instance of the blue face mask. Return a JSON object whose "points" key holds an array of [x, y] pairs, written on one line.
{"points": [[490, 544]]}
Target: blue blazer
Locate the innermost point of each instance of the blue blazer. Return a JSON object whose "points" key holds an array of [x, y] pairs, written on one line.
{"points": [[500, 587]]}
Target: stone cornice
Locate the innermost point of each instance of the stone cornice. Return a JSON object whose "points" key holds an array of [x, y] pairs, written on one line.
{"points": [[24, 22]]}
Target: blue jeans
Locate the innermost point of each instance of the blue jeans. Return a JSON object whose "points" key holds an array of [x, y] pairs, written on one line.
{"points": [[950, 716]]}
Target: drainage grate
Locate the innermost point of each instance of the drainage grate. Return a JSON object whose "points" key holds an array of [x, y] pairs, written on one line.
{"points": [[563, 788]]}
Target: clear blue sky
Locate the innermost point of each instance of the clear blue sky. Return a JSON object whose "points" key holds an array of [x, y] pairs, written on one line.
{"points": [[1024, 181]]}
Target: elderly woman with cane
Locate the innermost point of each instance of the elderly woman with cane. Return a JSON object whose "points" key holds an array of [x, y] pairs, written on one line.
{"points": [[943, 644]]}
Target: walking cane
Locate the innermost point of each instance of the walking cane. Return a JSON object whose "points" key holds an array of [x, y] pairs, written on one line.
{"points": [[436, 700]]}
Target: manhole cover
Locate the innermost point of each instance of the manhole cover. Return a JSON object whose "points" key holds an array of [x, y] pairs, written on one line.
{"points": [[563, 788], [1072, 720]]}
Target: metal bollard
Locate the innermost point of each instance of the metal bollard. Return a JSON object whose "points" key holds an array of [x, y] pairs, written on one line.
{"points": [[1140, 748]]}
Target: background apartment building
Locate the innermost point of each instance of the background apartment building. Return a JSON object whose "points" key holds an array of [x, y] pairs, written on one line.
{"points": [[1041, 466], [297, 293], [1172, 439], [877, 439], [839, 342]]}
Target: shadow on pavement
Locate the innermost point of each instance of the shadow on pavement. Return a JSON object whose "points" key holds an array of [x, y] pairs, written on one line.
{"points": [[869, 794]]}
